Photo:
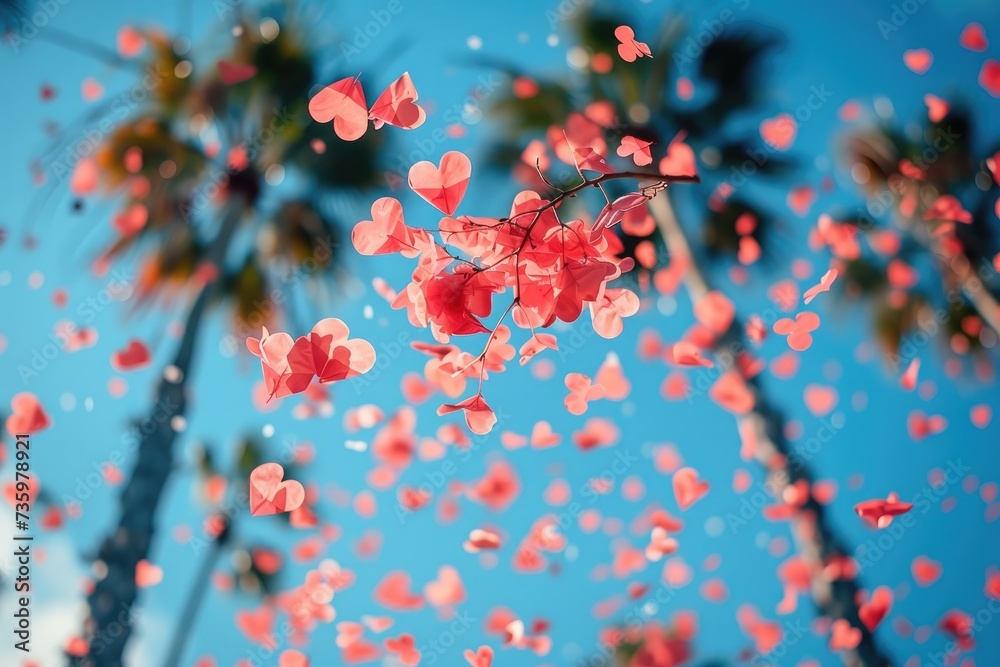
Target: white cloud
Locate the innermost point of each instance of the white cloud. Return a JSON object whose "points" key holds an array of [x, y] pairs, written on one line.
{"points": [[58, 606], [56, 598]]}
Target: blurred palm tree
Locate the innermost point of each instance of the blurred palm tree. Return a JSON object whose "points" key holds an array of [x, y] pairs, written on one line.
{"points": [[648, 644], [646, 107], [12, 12], [904, 172], [228, 195], [253, 565]]}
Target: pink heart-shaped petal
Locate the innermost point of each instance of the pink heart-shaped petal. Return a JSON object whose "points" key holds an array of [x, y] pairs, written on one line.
{"points": [[443, 187]]}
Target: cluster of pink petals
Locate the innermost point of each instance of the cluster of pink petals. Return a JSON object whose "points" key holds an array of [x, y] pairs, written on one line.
{"points": [[326, 355], [555, 270]]}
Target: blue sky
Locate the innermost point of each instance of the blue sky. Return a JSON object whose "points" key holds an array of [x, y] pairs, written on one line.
{"points": [[836, 45]]}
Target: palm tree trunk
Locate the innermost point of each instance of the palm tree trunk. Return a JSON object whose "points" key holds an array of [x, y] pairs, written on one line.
{"points": [[112, 602], [835, 598]]}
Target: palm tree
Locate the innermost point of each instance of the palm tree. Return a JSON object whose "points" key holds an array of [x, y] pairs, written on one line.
{"points": [[252, 565], [649, 645], [903, 175], [226, 189], [11, 12], [647, 109]]}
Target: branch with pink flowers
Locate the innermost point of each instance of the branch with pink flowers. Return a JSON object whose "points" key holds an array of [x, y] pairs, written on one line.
{"points": [[555, 269]]}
